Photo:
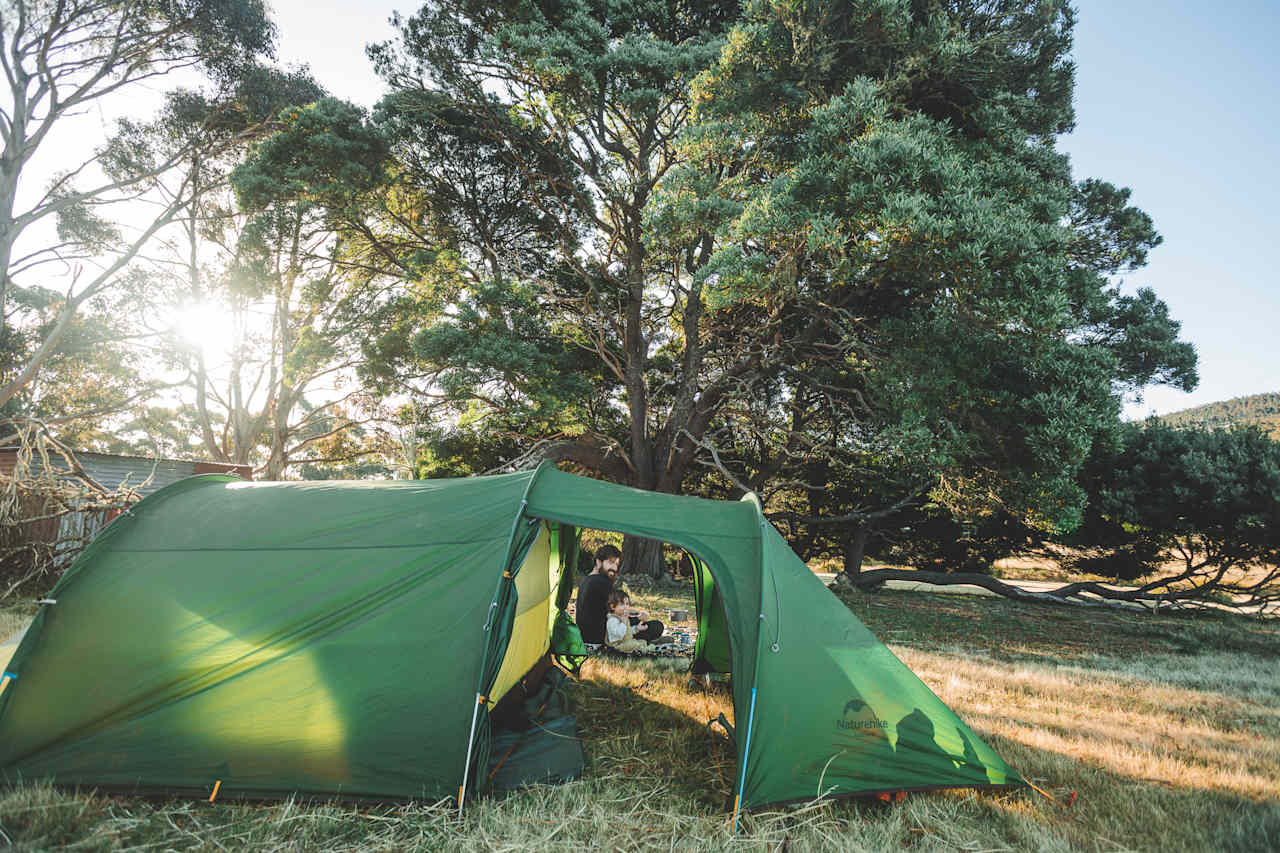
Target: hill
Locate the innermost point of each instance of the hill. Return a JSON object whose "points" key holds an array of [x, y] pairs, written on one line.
{"points": [[1260, 409]]}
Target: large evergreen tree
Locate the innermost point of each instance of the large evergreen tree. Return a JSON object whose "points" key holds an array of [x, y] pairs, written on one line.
{"points": [[799, 242], [584, 101], [884, 187]]}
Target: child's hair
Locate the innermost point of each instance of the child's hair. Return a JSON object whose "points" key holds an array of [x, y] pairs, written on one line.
{"points": [[618, 597]]}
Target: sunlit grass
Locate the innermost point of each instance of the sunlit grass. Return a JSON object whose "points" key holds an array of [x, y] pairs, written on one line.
{"points": [[1137, 724], [660, 600]]}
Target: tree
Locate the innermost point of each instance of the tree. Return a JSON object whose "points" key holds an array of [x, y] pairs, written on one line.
{"points": [[96, 371], [467, 341], [598, 95], [883, 186], [812, 238], [195, 268], [1187, 517], [61, 58], [307, 189], [1208, 502]]}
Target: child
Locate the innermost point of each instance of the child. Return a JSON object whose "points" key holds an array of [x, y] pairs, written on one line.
{"points": [[617, 629]]}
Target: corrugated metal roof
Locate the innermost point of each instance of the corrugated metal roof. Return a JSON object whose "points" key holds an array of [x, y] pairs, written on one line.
{"points": [[144, 475]]}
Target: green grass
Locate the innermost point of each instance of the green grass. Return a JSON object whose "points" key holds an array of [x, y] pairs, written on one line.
{"points": [[1166, 728]]}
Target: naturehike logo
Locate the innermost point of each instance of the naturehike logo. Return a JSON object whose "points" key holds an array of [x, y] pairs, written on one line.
{"points": [[856, 706]]}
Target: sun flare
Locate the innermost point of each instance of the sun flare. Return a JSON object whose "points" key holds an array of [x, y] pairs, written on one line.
{"points": [[205, 326]]}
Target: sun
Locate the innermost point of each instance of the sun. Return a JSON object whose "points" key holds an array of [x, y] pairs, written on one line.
{"points": [[205, 326]]}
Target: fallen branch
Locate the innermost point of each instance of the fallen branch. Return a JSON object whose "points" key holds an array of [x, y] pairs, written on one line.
{"points": [[1083, 593]]}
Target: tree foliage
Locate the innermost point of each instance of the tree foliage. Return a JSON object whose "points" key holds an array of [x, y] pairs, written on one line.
{"points": [[60, 59], [574, 111], [1260, 409], [306, 191], [1182, 517], [886, 195], [587, 337], [1207, 501], [823, 249]]}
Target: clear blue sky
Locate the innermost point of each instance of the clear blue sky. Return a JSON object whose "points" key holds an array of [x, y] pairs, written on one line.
{"points": [[1176, 100], [1179, 102]]}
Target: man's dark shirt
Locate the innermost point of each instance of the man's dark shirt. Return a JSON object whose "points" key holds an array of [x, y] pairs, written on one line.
{"points": [[593, 606]]}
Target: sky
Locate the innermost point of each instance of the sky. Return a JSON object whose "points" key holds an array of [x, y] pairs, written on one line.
{"points": [[1178, 101]]}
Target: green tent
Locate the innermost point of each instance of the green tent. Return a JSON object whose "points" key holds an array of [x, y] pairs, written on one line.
{"points": [[349, 638]]}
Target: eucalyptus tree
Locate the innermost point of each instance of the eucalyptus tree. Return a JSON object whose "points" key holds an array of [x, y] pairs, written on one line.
{"points": [[192, 267], [60, 59], [97, 370], [310, 193]]}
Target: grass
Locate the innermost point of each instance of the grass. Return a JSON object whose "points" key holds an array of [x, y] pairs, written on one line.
{"points": [[659, 600], [1167, 729], [1040, 569], [1025, 631], [13, 618]]}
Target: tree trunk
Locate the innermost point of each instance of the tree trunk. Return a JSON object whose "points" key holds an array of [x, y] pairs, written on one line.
{"points": [[7, 190], [642, 556], [855, 546], [276, 459], [279, 424]]}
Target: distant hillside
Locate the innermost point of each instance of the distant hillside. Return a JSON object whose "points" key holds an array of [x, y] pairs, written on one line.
{"points": [[1261, 409]]}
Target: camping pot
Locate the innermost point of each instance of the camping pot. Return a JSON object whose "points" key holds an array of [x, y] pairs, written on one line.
{"points": [[678, 615]]}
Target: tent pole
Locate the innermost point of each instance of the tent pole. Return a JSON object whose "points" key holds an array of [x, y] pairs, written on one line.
{"points": [[755, 672], [471, 739], [742, 780], [484, 657]]}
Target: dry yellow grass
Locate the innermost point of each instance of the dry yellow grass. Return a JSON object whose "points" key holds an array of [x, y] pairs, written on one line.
{"points": [[1137, 724], [13, 620]]}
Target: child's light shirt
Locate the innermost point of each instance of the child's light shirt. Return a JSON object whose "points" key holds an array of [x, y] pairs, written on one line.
{"points": [[615, 629]]}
